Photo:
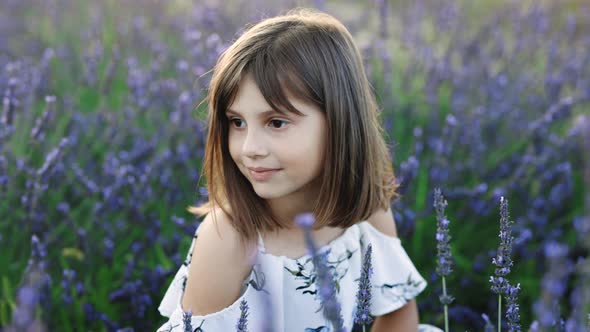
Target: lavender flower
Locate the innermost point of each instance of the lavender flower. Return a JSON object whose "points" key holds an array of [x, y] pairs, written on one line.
{"points": [[444, 258], [553, 285], [444, 263], [38, 254], [363, 295], [9, 103], [186, 319], [36, 270], [561, 325], [306, 221], [134, 292], [34, 292], [66, 283], [53, 157], [502, 261], [489, 327], [242, 325], [37, 133], [512, 311], [325, 279], [27, 302], [520, 110]]}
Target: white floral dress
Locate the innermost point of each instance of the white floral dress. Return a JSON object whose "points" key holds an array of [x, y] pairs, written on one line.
{"points": [[281, 291]]}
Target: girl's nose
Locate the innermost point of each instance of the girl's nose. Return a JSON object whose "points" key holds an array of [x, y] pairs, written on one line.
{"points": [[254, 145]]}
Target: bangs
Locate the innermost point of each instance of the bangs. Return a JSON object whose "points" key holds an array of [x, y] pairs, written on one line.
{"points": [[278, 80]]}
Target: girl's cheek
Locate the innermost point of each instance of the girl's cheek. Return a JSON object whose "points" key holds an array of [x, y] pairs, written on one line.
{"points": [[233, 148]]}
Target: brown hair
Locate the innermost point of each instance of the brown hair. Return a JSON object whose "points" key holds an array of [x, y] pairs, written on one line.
{"points": [[312, 56]]}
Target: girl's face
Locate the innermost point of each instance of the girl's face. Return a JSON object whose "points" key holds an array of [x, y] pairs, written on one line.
{"points": [[292, 145]]}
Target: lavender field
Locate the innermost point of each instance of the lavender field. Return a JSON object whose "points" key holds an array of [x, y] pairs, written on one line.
{"points": [[102, 137]]}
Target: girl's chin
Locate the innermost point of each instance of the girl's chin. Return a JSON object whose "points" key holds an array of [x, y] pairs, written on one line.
{"points": [[268, 191]]}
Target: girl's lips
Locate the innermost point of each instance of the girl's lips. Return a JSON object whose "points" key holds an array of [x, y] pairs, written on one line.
{"points": [[263, 175]]}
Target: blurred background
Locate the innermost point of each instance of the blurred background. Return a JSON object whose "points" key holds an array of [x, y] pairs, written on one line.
{"points": [[101, 143]]}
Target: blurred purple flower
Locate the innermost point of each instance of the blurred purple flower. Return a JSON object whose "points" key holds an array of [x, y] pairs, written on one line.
{"points": [[41, 124], [52, 158], [34, 293], [325, 280], [305, 221], [489, 327], [546, 308], [66, 284]]}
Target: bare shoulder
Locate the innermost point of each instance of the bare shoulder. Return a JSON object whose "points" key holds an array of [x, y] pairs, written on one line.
{"points": [[383, 221], [218, 266]]}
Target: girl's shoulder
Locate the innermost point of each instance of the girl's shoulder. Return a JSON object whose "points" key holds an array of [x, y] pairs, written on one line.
{"points": [[218, 227], [215, 250], [383, 221]]}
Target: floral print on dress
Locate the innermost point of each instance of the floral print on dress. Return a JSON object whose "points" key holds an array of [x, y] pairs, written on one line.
{"points": [[402, 292], [396, 281], [307, 275], [258, 279], [318, 329], [172, 328]]}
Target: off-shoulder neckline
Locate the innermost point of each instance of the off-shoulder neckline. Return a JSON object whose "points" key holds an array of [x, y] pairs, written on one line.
{"points": [[327, 246]]}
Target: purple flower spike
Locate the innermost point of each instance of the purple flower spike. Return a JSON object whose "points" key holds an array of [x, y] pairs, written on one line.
{"points": [[363, 295], [444, 262], [513, 310], [27, 297], [67, 283], [242, 325], [38, 252], [503, 261], [325, 280]]}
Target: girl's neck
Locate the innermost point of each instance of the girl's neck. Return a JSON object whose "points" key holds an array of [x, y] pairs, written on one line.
{"points": [[286, 208]]}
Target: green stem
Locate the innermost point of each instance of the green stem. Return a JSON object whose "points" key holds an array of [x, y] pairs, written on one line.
{"points": [[363, 327], [445, 306], [499, 312]]}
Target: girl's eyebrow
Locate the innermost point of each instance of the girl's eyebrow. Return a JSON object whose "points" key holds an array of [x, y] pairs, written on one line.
{"points": [[260, 114]]}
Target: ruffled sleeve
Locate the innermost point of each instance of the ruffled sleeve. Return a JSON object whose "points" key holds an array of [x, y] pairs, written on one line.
{"points": [[176, 289], [395, 280], [223, 320]]}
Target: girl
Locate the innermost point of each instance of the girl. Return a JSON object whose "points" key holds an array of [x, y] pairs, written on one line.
{"points": [[292, 127]]}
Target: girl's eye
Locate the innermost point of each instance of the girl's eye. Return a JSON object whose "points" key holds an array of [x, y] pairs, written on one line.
{"points": [[278, 122], [233, 121], [275, 123]]}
